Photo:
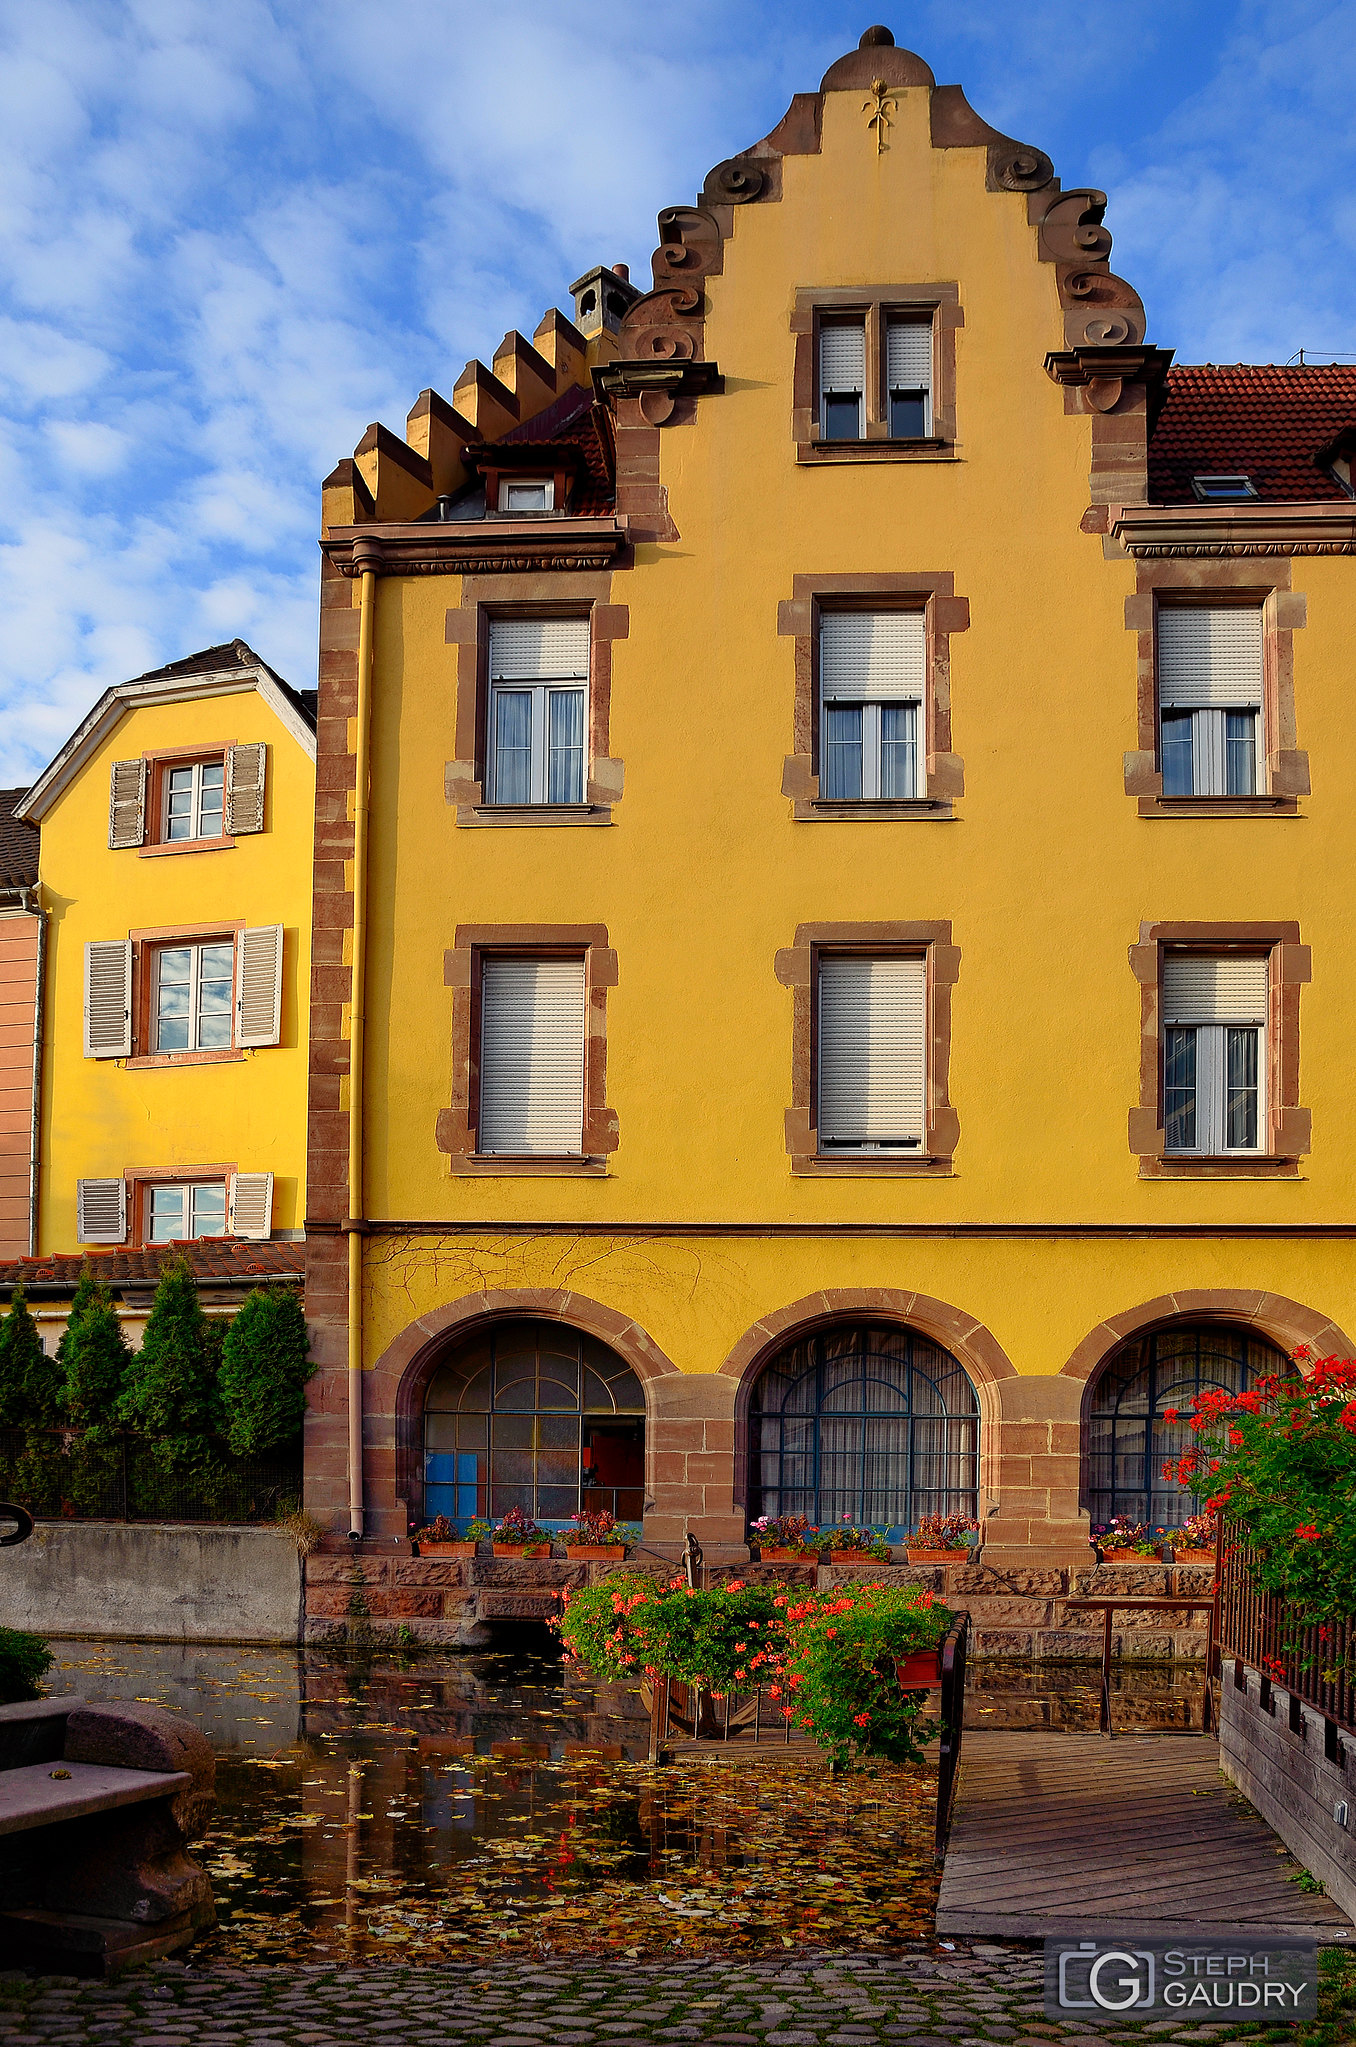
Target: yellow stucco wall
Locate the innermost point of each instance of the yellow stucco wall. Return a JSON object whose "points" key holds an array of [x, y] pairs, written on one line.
{"points": [[1046, 872], [102, 1118]]}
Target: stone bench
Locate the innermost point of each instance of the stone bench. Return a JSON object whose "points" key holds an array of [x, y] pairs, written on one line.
{"points": [[97, 1806]]}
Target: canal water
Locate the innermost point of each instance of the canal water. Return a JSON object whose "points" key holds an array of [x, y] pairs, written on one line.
{"points": [[470, 1806]]}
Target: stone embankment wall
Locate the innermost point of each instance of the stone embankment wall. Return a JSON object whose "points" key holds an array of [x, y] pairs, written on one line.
{"points": [[1299, 1771], [153, 1582], [456, 1601]]}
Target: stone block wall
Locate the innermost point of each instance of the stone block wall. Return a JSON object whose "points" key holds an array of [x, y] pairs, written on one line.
{"points": [[1277, 1751]]}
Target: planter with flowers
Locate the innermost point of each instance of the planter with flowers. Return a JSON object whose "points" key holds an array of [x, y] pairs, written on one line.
{"points": [[848, 1545], [597, 1537], [941, 1539], [1126, 1542], [440, 1539], [518, 1535], [1194, 1541], [787, 1539]]}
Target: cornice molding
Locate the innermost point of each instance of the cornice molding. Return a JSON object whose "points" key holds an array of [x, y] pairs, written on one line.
{"points": [[1103, 372], [474, 549], [1214, 532]]}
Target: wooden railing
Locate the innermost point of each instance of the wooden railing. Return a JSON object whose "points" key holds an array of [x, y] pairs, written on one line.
{"points": [[1313, 1661]]}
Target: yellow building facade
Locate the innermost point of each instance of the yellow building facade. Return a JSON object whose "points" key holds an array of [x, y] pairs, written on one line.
{"points": [[844, 893], [175, 866]]}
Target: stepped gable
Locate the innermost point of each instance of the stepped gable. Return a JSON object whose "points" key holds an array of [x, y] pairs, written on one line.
{"points": [[1279, 425], [229, 1258], [18, 844]]}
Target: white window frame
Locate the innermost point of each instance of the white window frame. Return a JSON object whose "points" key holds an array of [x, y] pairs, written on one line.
{"points": [[1211, 1078], [833, 324], [188, 1190], [505, 1110], [545, 484], [195, 946], [906, 1143], [896, 319], [1207, 690], [541, 689], [194, 769], [844, 694]]}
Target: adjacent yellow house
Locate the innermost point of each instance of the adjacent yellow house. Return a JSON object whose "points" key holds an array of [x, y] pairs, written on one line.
{"points": [[175, 866], [833, 911]]}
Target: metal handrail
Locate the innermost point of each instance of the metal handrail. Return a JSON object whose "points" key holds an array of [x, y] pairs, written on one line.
{"points": [[954, 1654]]}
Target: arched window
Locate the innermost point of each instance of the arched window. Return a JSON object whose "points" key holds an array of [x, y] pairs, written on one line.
{"points": [[533, 1415], [1129, 1442], [876, 1426]]}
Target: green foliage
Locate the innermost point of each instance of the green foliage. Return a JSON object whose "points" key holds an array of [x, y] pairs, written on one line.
{"points": [[264, 1368], [631, 1625], [838, 1677], [24, 1661], [30, 1381], [170, 1390], [93, 1357], [1281, 1458]]}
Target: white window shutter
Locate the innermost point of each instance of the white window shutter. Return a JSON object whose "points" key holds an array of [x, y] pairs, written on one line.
{"points": [[251, 1205], [532, 1056], [908, 355], [1199, 988], [872, 1058], [258, 985], [108, 999], [244, 808], [101, 1211], [539, 649], [1209, 655], [842, 357], [126, 805], [872, 656]]}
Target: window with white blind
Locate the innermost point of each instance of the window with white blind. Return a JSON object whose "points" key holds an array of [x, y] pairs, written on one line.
{"points": [[842, 379], [872, 668], [1214, 1052], [538, 710], [871, 1053], [908, 377], [1210, 699], [532, 1016]]}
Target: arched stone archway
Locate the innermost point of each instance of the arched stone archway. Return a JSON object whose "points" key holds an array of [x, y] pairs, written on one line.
{"points": [[1286, 1323]]}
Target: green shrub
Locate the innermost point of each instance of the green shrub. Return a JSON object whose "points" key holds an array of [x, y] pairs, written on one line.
{"points": [[630, 1626], [93, 1357], [24, 1661], [30, 1381], [838, 1678], [264, 1368], [170, 1388]]}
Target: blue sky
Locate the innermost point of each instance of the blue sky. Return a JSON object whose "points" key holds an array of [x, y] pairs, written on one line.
{"points": [[233, 233]]}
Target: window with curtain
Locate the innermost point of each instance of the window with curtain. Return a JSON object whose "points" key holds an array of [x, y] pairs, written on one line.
{"points": [[1210, 699], [1129, 1437], [871, 1054], [876, 1426], [538, 1416], [872, 671], [539, 670], [1214, 1052], [842, 379], [531, 1056]]}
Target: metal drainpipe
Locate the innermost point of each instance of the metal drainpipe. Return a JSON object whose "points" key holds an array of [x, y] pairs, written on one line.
{"points": [[366, 556], [33, 904]]}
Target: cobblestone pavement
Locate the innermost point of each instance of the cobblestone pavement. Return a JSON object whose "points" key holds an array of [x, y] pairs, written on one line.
{"points": [[925, 1997]]}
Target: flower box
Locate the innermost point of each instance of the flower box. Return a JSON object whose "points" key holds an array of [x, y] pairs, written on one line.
{"points": [[596, 1552], [786, 1556], [444, 1549], [937, 1556], [1193, 1556], [857, 1556], [919, 1669], [1126, 1556], [522, 1549]]}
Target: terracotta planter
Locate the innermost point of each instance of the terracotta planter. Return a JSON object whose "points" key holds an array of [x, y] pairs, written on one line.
{"points": [[857, 1556], [1193, 1556], [785, 1556], [937, 1556], [445, 1549], [595, 1552], [920, 1668], [521, 1549], [1126, 1556]]}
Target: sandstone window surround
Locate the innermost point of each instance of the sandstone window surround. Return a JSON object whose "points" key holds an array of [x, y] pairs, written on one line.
{"points": [[1285, 1138], [1282, 769], [800, 618], [876, 307], [545, 596], [798, 968], [459, 1125]]}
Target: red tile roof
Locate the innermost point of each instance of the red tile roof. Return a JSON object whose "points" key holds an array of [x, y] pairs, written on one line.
{"points": [[219, 1258], [575, 420], [18, 842], [1267, 421]]}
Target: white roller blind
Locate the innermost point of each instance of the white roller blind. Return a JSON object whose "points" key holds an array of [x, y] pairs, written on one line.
{"points": [[126, 805], [244, 810], [539, 649], [875, 656], [842, 357], [251, 1205], [908, 355], [532, 1056], [1209, 654], [258, 985], [1200, 989], [108, 999], [101, 1211], [871, 1057]]}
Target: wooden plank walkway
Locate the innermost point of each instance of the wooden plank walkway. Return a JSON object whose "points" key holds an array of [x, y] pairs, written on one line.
{"points": [[1071, 1834]]}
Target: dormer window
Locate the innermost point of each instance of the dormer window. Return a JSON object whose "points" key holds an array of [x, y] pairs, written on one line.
{"points": [[527, 494], [1223, 490]]}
